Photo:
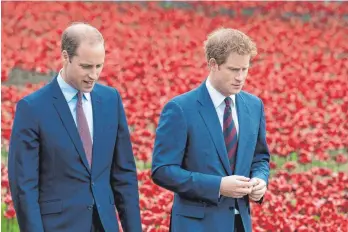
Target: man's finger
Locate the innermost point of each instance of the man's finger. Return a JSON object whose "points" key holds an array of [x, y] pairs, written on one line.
{"points": [[243, 190], [259, 191], [259, 186], [244, 184], [240, 192], [254, 181], [237, 195], [255, 199], [242, 178], [256, 196]]}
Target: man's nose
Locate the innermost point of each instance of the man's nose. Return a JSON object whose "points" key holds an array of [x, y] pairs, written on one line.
{"points": [[240, 76], [93, 74]]}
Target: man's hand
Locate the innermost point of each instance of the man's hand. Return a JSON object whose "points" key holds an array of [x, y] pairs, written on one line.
{"points": [[258, 190], [235, 186]]}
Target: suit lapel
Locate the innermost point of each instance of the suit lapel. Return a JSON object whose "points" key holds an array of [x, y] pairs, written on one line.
{"points": [[211, 120], [244, 122], [64, 113], [97, 128]]}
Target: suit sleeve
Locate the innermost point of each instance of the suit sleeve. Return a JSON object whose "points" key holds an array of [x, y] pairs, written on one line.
{"points": [[124, 180], [23, 168], [260, 164], [168, 155]]}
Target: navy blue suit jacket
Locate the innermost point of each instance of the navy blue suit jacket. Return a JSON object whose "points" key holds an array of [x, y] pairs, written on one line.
{"points": [[52, 186], [190, 158]]}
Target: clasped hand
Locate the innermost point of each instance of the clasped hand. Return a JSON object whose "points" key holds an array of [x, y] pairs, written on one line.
{"points": [[238, 186]]}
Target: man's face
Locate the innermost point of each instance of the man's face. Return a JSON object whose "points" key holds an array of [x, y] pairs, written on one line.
{"points": [[229, 77], [83, 70]]}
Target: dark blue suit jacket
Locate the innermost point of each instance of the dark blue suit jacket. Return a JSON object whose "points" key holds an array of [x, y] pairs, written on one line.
{"points": [[190, 158], [52, 186]]}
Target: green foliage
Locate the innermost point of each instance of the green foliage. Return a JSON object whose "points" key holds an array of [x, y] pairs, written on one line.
{"points": [[8, 225]]}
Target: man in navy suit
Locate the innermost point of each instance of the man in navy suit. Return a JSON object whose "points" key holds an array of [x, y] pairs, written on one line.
{"points": [[70, 159], [210, 146]]}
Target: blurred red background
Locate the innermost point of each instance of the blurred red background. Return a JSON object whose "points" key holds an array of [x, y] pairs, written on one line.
{"points": [[155, 52]]}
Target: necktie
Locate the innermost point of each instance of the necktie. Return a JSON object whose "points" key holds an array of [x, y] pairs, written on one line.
{"points": [[230, 133], [83, 128]]}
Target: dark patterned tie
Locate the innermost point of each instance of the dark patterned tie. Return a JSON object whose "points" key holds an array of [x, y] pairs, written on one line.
{"points": [[230, 134], [83, 128]]}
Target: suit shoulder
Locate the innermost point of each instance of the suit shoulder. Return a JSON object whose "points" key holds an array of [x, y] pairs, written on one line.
{"points": [[185, 98], [251, 98], [104, 88], [38, 97], [106, 91]]}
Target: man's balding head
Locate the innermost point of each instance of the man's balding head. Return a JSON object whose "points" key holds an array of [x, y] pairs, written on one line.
{"points": [[77, 33], [83, 55]]}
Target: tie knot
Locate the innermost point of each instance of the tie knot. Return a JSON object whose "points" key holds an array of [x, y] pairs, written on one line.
{"points": [[79, 97], [228, 101]]}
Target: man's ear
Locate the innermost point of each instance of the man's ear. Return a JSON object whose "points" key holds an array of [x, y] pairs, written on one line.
{"points": [[213, 66], [65, 57]]}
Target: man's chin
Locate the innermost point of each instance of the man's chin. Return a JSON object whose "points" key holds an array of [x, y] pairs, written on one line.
{"points": [[235, 91], [87, 89]]}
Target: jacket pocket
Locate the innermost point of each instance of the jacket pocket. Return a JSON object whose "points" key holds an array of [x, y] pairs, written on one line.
{"points": [[190, 211], [51, 207]]}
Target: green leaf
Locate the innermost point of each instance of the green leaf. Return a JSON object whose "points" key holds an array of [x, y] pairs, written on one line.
{"points": [[293, 156]]}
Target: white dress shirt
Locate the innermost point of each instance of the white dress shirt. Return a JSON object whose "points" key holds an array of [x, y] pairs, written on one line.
{"points": [[70, 95], [219, 104]]}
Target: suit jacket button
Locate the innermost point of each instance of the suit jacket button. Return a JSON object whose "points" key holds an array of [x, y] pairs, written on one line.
{"points": [[90, 207]]}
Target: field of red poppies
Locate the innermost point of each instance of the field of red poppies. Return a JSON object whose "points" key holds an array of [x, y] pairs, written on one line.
{"points": [[155, 51]]}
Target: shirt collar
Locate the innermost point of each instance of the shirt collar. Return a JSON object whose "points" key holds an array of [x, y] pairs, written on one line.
{"points": [[68, 91], [216, 96]]}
